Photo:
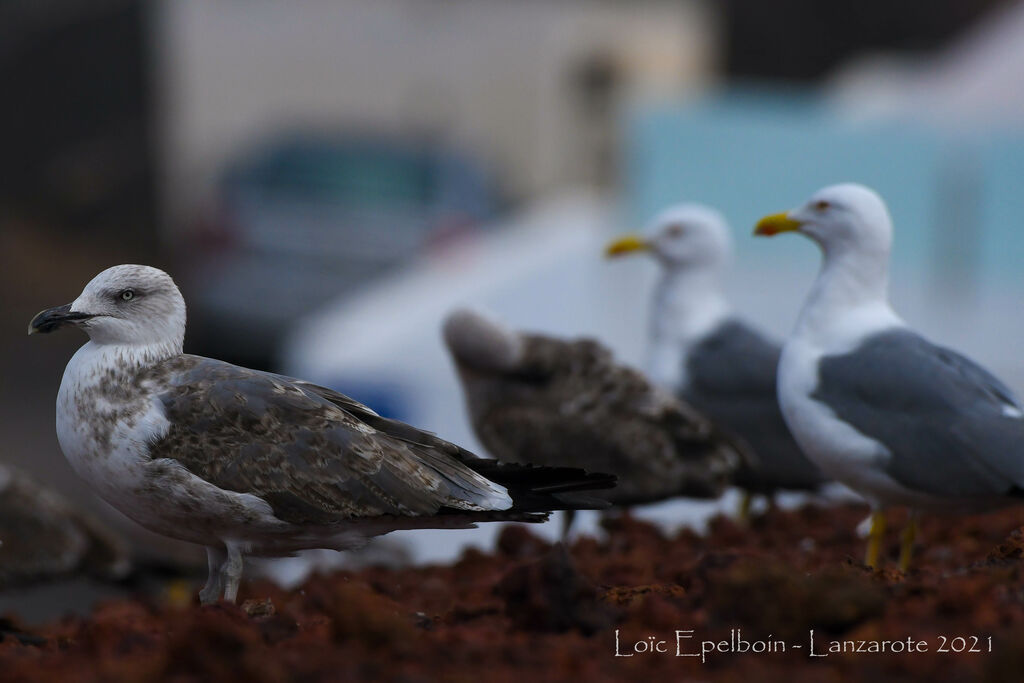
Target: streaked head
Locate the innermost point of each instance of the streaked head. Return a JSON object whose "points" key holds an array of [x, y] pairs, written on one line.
{"points": [[127, 304], [839, 218], [682, 236]]}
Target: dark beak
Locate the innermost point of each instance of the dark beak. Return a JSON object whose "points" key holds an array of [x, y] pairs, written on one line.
{"points": [[53, 318]]}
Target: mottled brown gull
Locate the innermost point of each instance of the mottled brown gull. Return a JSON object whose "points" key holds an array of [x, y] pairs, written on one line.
{"points": [[249, 462], [538, 399]]}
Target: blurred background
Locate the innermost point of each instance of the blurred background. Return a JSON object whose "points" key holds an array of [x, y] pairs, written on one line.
{"points": [[326, 180]]}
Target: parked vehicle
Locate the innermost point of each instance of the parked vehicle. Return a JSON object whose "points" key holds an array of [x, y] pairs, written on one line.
{"points": [[302, 219]]}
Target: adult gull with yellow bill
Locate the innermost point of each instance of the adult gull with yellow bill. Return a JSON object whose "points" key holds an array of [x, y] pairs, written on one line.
{"points": [[899, 419], [710, 357]]}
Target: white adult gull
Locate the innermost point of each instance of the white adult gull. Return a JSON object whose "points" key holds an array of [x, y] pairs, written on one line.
{"points": [[902, 421], [243, 461], [700, 349]]}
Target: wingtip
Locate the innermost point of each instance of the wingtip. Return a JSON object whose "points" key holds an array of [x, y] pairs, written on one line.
{"points": [[538, 488], [584, 481]]}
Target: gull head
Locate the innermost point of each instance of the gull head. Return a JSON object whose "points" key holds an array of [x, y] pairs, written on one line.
{"points": [[127, 304], [840, 218], [682, 237], [476, 340]]}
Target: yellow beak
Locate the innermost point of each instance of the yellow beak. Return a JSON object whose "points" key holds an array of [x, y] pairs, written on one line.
{"points": [[776, 223], [627, 244]]}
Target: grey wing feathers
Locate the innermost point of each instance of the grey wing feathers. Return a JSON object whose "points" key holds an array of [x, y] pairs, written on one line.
{"points": [[314, 458], [734, 360], [952, 429], [731, 378]]}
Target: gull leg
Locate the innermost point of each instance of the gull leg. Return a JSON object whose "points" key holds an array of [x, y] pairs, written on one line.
{"points": [[907, 543], [211, 591], [231, 572], [875, 537], [743, 513], [567, 519]]}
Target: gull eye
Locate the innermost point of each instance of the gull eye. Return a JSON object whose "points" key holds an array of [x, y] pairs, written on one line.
{"points": [[128, 295], [821, 205], [674, 230]]}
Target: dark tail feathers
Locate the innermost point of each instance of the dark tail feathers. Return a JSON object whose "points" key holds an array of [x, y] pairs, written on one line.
{"points": [[541, 489]]}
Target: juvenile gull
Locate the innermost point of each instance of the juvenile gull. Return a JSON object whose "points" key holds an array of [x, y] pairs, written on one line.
{"points": [[902, 421], [538, 399], [248, 462], [708, 356], [44, 537]]}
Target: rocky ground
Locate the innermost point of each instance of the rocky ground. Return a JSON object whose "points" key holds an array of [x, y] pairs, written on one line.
{"points": [[530, 611]]}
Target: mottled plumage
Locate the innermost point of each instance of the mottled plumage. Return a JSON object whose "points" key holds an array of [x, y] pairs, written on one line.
{"points": [[243, 461], [316, 456], [537, 399], [44, 537]]}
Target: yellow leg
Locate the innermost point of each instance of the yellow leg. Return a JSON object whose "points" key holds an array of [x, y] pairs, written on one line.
{"points": [[743, 514], [178, 593], [907, 544], [875, 537]]}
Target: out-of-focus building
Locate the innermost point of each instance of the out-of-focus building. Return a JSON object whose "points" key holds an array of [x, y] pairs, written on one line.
{"points": [[973, 83], [531, 89], [807, 40]]}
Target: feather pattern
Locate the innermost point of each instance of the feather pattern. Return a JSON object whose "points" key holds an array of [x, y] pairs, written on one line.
{"points": [[314, 454], [568, 403]]}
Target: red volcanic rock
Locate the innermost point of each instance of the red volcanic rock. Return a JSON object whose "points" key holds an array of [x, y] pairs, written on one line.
{"points": [[737, 604], [550, 595]]}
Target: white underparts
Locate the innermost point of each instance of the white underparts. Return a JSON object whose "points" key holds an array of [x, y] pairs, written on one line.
{"points": [[688, 304]]}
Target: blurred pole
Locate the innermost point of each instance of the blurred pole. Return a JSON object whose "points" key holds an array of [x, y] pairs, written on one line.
{"points": [[596, 83]]}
